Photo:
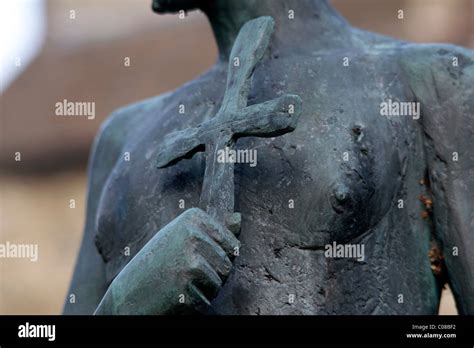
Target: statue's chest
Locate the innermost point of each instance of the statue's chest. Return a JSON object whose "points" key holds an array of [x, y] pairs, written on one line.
{"points": [[320, 183]]}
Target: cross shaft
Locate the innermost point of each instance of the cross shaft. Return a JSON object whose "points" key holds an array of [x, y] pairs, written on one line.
{"points": [[234, 120]]}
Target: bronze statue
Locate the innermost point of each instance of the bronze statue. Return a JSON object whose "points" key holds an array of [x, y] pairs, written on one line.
{"points": [[361, 201]]}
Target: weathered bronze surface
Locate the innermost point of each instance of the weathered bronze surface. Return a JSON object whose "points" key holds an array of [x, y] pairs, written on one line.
{"points": [[349, 173]]}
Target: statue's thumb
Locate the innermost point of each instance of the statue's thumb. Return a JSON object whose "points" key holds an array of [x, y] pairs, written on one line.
{"points": [[233, 222]]}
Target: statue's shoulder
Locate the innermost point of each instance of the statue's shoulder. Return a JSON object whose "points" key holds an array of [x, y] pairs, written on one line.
{"points": [[443, 62], [126, 121], [118, 124], [420, 56], [438, 72], [367, 42], [110, 140]]}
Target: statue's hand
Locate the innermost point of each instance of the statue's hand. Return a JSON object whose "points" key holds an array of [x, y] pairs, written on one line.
{"points": [[180, 270]]}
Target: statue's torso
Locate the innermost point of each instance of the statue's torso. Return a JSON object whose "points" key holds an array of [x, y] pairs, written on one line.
{"points": [[301, 195]]}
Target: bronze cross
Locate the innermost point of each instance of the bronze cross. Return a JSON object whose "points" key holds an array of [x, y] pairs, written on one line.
{"points": [[234, 120]]}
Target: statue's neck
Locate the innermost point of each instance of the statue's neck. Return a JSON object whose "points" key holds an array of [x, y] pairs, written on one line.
{"points": [[315, 25]]}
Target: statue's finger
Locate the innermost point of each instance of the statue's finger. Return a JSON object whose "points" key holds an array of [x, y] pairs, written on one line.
{"points": [[233, 223]]}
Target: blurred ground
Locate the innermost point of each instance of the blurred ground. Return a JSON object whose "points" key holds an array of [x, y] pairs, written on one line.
{"points": [[82, 60]]}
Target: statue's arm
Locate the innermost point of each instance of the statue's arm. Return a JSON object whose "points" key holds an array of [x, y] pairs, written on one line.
{"points": [[189, 257], [88, 283], [442, 79]]}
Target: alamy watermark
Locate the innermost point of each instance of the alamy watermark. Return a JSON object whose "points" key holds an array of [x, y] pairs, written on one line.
{"points": [[68, 108], [21, 251], [28, 330], [229, 155], [355, 251], [396, 108]]}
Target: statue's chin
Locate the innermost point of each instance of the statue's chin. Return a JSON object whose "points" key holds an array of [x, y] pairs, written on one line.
{"points": [[165, 6]]}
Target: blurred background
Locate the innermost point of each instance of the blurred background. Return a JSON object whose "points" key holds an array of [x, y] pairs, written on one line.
{"points": [[48, 56]]}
